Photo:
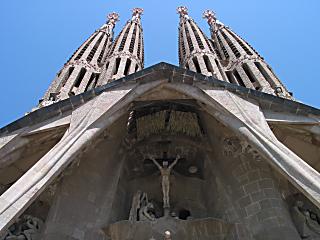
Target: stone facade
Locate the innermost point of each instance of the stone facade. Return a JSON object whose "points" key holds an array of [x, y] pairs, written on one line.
{"points": [[162, 153]]}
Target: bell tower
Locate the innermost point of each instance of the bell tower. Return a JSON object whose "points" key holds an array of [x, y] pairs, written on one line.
{"points": [[196, 52], [126, 55], [242, 63], [82, 70]]}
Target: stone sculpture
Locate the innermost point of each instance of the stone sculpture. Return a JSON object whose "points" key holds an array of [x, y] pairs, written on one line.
{"points": [[26, 228], [165, 172], [146, 212], [306, 222], [135, 206], [139, 201], [279, 92], [234, 147]]}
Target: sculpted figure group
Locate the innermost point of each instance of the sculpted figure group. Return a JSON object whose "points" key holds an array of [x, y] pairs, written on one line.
{"points": [[141, 208], [26, 228], [307, 222]]}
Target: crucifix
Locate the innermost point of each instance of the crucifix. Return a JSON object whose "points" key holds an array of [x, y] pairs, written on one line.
{"points": [[165, 171]]}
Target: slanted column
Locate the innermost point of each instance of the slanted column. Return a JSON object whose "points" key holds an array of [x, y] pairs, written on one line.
{"points": [[66, 89], [262, 84], [85, 83], [196, 53], [244, 77], [269, 74], [126, 55]]}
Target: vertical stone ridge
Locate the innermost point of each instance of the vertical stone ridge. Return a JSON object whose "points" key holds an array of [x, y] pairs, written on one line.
{"points": [[196, 52], [126, 55], [242, 63], [83, 68]]}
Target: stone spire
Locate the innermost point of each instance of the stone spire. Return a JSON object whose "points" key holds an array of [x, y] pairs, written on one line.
{"points": [[243, 65], [82, 70], [195, 50], [126, 55]]}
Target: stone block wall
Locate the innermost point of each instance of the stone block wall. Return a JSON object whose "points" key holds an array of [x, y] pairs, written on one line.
{"points": [[258, 201]]}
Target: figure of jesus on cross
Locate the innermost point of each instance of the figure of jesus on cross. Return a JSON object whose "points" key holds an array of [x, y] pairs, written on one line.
{"points": [[165, 171]]}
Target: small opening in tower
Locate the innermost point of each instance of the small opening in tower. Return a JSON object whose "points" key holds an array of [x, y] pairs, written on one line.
{"points": [[190, 45], [94, 49], [94, 84], [102, 51], [196, 34], [208, 64], [139, 44], [80, 77], [67, 75], [187, 66], [230, 77], [184, 214], [231, 45], [124, 39], [136, 69], [196, 64], [220, 68], [265, 74], [216, 48], [116, 67], [182, 52], [133, 38], [224, 50], [240, 41], [127, 67], [249, 73], [91, 80], [237, 76], [82, 51], [107, 65]]}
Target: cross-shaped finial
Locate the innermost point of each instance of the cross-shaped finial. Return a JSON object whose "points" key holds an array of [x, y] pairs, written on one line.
{"points": [[137, 12], [113, 17], [183, 11], [210, 16]]}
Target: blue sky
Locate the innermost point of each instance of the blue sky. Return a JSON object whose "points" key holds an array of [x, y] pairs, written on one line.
{"points": [[37, 37]]}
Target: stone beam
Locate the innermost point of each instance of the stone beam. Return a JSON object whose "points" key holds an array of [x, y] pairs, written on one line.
{"points": [[97, 115], [288, 118]]}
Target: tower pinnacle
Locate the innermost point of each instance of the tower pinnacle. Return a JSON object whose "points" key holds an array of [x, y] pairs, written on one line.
{"points": [[82, 70], [183, 11], [196, 52], [136, 14], [126, 54], [113, 18], [210, 16]]}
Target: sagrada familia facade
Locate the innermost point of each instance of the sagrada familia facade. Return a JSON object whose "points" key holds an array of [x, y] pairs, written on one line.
{"points": [[216, 148]]}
